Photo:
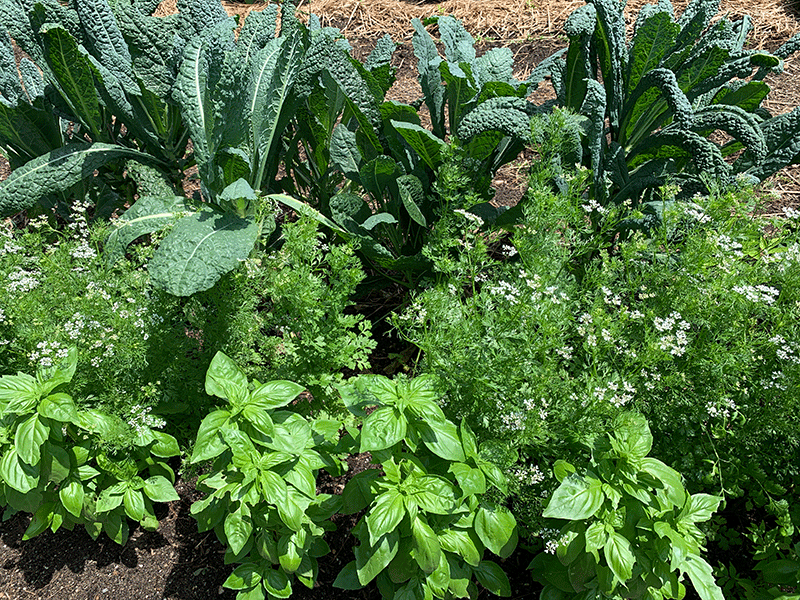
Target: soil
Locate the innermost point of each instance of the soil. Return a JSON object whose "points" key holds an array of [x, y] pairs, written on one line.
{"points": [[179, 563]]}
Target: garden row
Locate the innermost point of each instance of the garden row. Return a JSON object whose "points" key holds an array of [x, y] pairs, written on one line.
{"points": [[599, 369]]}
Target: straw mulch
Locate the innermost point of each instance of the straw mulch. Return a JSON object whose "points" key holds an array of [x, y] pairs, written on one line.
{"points": [[517, 20]]}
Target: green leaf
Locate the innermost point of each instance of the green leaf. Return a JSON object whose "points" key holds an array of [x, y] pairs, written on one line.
{"points": [[59, 407], [575, 499], [271, 77], [289, 555], [166, 446], [561, 469], [700, 573], [244, 577], [470, 480], [225, 379], [159, 489], [56, 171], [382, 429], [347, 579], [59, 374], [493, 578], [134, 504], [71, 496], [669, 477], [699, 508], [596, 537], [495, 525], [385, 514], [277, 583], [372, 559], [651, 42], [619, 556], [17, 474], [18, 393], [442, 439], [459, 542], [111, 497], [29, 438], [275, 394], [200, 249], [208, 444], [147, 215], [425, 144], [74, 75], [379, 174], [631, 438], [238, 528], [425, 545]]}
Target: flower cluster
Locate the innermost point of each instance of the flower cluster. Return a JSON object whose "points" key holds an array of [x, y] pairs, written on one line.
{"points": [[47, 354], [722, 409], [140, 419], [615, 394], [527, 474], [674, 339], [22, 281], [758, 293]]}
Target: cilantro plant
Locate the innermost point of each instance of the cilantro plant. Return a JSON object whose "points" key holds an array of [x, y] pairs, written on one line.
{"points": [[632, 527], [429, 520], [262, 501], [70, 465]]}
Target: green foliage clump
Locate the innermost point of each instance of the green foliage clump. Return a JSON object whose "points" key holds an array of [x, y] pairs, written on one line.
{"points": [[285, 315], [69, 465]]}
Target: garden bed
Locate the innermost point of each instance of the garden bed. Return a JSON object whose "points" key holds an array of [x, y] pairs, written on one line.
{"points": [[176, 562]]}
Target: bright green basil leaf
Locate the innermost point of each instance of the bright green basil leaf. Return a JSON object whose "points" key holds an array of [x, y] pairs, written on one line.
{"points": [[385, 515], [243, 577], [575, 499], [40, 521], [59, 407], [631, 438], [18, 393], [111, 497], [238, 528], [382, 429], [699, 508], [208, 444], [56, 460], [619, 556], [470, 480], [71, 496], [561, 469], [425, 545], [495, 526], [699, 571], [372, 559], [258, 418], [28, 440], [277, 583], [289, 555], [134, 504], [493, 578], [159, 489], [460, 542], [596, 537], [275, 394], [468, 440], [442, 439], [291, 513], [17, 474], [166, 446], [669, 477], [225, 379], [60, 373]]}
